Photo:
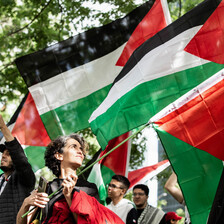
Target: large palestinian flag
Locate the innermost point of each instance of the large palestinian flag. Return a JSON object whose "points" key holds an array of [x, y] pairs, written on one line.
{"points": [[162, 69], [70, 79], [191, 131], [27, 126]]}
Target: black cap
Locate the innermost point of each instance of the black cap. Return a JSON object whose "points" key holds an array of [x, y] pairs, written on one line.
{"points": [[2, 148]]}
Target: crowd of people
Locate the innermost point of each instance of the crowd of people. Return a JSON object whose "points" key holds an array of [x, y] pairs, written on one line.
{"points": [[73, 200]]}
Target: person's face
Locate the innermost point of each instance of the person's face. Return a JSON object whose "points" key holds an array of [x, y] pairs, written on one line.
{"points": [[72, 155], [139, 198], [6, 161], [115, 189], [172, 221]]}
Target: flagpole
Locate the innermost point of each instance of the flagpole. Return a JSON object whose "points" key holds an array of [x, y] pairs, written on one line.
{"points": [[84, 170]]}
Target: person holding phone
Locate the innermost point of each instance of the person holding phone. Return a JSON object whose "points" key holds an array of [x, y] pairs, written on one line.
{"points": [[17, 179], [76, 202]]}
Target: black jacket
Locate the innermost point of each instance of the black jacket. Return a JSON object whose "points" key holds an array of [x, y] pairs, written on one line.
{"points": [[19, 186]]}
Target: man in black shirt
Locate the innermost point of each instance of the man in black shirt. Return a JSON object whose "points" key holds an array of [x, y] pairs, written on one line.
{"points": [[17, 180], [146, 213]]}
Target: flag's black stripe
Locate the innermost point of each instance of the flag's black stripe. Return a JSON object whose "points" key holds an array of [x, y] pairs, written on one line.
{"points": [[193, 18], [16, 114], [80, 49], [85, 175]]}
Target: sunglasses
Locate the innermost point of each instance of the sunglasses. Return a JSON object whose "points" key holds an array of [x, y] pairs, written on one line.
{"points": [[114, 186]]}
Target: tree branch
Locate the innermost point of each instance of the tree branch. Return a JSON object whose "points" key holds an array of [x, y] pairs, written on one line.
{"points": [[180, 7], [4, 67], [61, 20], [35, 17]]}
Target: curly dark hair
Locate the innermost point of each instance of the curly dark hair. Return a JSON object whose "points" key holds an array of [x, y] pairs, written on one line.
{"points": [[57, 145]]}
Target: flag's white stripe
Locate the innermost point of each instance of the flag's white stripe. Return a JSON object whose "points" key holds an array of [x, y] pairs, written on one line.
{"points": [[166, 12], [76, 83], [151, 174], [192, 94], [96, 172], [172, 58]]}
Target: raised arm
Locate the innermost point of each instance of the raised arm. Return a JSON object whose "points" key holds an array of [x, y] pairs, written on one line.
{"points": [[173, 189], [5, 131]]}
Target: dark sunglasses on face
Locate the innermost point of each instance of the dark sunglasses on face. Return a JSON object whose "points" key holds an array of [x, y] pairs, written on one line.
{"points": [[114, 186]]}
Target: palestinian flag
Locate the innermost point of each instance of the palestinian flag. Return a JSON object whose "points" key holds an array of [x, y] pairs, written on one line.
{"points": [[144, 174], [191, 131], [117, 162], [162, 69], [27, 126], [70, 79]]}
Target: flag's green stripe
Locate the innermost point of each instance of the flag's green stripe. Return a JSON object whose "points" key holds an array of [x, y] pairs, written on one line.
{"points": [[146, 100], [97, 176], [73, 116], [198, 174], [102, 194], [35, 156], [107, 174]]}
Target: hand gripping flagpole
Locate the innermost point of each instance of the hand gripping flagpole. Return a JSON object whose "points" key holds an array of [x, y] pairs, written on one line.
{"points": [[84, 170]]}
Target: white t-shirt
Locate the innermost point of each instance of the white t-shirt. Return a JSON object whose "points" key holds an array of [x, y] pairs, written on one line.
{"points": [[122, 208], [3, 182]]}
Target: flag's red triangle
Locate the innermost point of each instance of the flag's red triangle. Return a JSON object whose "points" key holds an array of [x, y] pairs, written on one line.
{"points": [[116, 160], [208, 43], [152, 23], [29, 128], [136, 176], [200, 122]]}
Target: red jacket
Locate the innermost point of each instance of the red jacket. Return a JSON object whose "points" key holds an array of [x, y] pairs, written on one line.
{"points": [[88, 209]]}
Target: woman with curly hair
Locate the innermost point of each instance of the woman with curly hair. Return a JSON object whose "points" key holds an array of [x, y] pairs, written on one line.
{"points": [[56, 150], [76, 202]]}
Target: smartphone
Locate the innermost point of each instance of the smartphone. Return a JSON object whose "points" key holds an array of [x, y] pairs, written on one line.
{"points": [[42, 184]]}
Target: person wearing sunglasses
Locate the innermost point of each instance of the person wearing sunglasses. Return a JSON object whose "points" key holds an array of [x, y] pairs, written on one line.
{"points": [[124, 208], [147, 214]]}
